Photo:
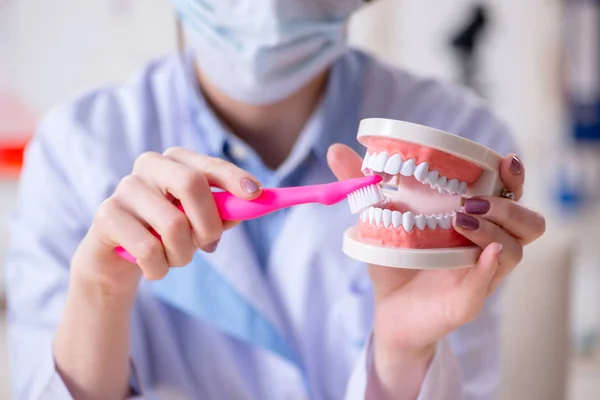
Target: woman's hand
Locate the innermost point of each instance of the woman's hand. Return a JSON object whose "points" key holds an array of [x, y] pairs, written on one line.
{"points": [[414, 309], [91, 346], [145, 199]]}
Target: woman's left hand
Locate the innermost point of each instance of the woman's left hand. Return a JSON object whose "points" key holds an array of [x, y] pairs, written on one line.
{"points": [[414, 309]]}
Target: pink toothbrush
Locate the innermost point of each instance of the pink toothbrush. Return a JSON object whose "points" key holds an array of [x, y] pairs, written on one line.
{"points": [[360, 192]]}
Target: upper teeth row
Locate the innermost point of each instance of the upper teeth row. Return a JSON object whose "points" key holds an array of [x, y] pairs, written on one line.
{"points": [[377, 216], [394, 165]]}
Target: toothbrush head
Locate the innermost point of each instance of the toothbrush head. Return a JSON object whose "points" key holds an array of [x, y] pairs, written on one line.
{"points": [[365, 197]]}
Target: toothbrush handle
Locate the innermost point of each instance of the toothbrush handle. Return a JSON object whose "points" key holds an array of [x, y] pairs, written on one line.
{"points": [[232, 208]]}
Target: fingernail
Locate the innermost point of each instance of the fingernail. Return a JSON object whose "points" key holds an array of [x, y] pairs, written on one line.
{"points": [[477, 206], [210, 248], [249, 186], [515, 166], [466, 222]]}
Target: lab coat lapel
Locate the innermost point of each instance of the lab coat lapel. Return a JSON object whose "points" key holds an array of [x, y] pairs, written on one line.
{"points": [[227, 291]]}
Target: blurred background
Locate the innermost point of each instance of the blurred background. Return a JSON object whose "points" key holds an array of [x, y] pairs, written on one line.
{"points": [[535, 61]]}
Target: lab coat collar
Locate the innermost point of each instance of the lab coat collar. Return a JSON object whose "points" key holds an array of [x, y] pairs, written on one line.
{"points": [[199, 111], [342, 104]]}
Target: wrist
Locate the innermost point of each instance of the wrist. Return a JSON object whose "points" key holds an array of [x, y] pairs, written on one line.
{"points": [[101, 293], [103, 274], [91, 345], [395, 355], [407, 341], [398, 372]]}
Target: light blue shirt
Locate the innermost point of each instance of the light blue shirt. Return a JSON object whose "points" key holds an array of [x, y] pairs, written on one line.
{"points": [[277, 312], [223, 144]]}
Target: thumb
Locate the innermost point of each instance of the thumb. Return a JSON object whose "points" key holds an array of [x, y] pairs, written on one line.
{"points": [[475, 286], [344, 162], [478, 279]]}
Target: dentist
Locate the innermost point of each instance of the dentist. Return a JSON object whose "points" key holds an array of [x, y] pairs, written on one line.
{"points": [[268, 94]]}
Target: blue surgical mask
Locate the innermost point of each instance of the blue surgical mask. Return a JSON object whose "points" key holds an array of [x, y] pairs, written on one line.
{"points": [[262, 51]]}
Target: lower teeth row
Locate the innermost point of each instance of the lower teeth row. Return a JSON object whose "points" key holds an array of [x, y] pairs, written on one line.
{"points": [[407, 220]]}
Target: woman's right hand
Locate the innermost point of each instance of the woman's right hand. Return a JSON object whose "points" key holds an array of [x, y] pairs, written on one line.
{"points": [[145, 199]]}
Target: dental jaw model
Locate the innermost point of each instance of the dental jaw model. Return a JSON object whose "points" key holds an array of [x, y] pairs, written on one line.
{"points": [[426, 173]]}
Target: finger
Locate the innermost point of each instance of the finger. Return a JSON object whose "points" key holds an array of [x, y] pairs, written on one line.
{"points": [[190, 187], [476, 283], [344, 162], [152, 208], [230, 224], [219, 173], [521, 222], [512, 174], [123, 229], [483, 233]]}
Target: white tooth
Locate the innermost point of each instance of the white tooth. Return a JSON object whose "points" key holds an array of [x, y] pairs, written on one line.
{"points": [[372, 161], [452, 186], [387, 218], [441, 184], [377, 216], [420, 222], [448, 222], [462, 188], [444, 222], [408, 221], [364, 215], [422, 172], [393, 165], [371, 215], [408, 168], [365, 162], [432, 178], [432, 222], [379, 162], [396, 219]]}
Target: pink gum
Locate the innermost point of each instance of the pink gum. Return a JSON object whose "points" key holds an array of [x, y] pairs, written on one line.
{"points": [[446, 164], [415, 239]]}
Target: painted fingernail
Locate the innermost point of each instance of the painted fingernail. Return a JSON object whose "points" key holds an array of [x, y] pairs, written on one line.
{"points": [[249, 186], [515, 165], [466, 222], [210, 248], [477, 206]]}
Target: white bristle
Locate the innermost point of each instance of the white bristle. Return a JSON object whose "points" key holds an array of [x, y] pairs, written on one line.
{"points": [[364, 198]]}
